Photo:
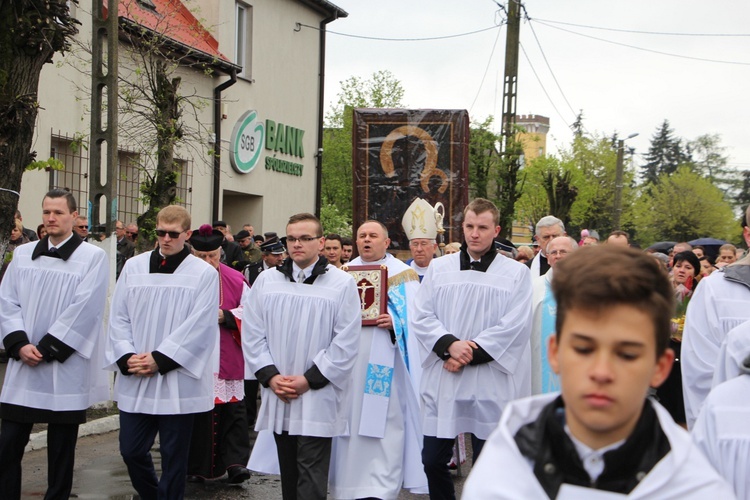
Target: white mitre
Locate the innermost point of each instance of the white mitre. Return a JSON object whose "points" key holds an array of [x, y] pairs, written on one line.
{"points": [[421, 220]]}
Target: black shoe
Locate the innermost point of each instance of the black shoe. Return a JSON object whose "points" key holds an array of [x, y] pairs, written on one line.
{"points": [[196, 479], [238, 474]]}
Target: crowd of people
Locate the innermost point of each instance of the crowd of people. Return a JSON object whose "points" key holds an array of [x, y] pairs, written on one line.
{"points": [[576, 367]]}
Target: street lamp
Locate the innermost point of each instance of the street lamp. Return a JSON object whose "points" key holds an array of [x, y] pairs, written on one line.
{"points": [[618, 182]]}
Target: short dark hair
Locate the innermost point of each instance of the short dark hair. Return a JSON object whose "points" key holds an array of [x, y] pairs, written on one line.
{"points": [[481, 205], [619, 233], [304, 217], [689, 257], [598, 277], [335, 237], [346, 241], [62, 193], [382, 226]]}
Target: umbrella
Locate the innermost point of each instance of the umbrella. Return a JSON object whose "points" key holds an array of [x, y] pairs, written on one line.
{"points": [[662, 246], [707, 242]]}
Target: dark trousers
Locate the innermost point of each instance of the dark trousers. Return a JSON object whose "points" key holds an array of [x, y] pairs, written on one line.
{"points": [[436, 453], [220, 440], [137, 434], [251, 401], [61, 449], [304, 462]]}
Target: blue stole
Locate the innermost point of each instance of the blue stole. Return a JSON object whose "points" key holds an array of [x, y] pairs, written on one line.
{"points": [[550, 380]]}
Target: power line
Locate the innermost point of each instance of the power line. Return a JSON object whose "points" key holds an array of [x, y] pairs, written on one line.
{"points": [[444, 37], [643, 32], [547, 62], [643, 48], [489, 62], [541, 84]]}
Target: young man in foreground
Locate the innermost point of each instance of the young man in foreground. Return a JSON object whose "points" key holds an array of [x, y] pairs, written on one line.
{"points": [[601, 433]]}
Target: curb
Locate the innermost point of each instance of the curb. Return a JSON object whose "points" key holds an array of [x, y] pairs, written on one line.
{"points": [[38, 440]]}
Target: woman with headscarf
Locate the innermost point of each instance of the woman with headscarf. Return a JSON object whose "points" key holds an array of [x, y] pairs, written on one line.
{"points": [[685, 270]]}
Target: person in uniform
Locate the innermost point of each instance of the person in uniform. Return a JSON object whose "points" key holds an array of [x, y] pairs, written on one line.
{"points": [[601, 437], [162, 334], [301, 325], [52, 301], [472, 318]]}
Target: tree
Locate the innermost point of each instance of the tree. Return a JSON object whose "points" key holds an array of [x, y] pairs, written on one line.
{"points": [[484, 157], [684, 206], [743, 197], [381, 90], [665, 154], [550, 187], [31, 33], [152, 106]]}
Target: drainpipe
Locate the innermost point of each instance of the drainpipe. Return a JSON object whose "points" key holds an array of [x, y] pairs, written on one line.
{"points": [[321, 105], [217, 140]]}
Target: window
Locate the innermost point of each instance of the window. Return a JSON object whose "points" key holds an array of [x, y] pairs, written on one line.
{"points": [[129, 206], [243, 38], [184, 183], [74, 177]]}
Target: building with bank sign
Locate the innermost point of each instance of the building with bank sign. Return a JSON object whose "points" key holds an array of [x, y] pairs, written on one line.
{"points": [[266, 60]]}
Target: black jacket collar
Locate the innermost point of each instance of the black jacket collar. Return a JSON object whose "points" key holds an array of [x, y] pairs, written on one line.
{"points": [[64, 252], [167, 265], [556, 460], [481, 265], [321, 267]]}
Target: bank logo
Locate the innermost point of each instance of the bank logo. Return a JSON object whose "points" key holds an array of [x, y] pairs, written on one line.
{"points": [[248, 138]]}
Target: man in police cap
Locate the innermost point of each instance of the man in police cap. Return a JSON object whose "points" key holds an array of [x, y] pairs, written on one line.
{"points": [[273, 255]]}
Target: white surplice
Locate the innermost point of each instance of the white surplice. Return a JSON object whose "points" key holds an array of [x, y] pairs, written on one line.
{"points": [[293, 326], [363, 466], [492, 308], [502, 472], [65, 299], [723, 435], [717, 306], [735, 348], [175, 314]]}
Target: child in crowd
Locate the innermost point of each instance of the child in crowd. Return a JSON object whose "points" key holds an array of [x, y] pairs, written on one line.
{"points": [[601, 437]]}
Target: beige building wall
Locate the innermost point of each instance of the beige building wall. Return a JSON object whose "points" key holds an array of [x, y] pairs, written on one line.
{"points": [[281, 85]]}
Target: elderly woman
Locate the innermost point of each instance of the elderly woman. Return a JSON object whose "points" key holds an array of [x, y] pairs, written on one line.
{"points": [[17, 238], [686, 269]]}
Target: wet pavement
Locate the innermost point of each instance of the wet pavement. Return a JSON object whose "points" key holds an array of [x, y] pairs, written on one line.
{"points": [[101, 474]]}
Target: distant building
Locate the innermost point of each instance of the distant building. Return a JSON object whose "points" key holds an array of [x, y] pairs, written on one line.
{"points": [[534, 139]]}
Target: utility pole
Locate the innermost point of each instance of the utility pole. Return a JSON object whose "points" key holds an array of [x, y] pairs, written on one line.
{"points": [[512, 41], [617, 215], [510, 157], [103, 167]]}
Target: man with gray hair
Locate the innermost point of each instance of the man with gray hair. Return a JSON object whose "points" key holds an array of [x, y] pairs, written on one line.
{"points": [[548, 228], [544, 307], [719, 304]]}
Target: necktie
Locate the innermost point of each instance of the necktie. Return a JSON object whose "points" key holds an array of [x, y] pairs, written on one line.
{"points": [[52, 252], [301, 277]]}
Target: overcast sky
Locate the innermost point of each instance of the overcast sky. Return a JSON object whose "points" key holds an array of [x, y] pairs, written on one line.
{"points": [[619, 88]]}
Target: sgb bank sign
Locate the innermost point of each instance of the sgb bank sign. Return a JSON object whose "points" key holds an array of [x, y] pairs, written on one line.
{"points": [[248, 137]]}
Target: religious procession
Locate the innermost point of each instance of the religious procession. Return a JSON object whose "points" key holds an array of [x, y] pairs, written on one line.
{"points": [[240, 288], [570, 374]]}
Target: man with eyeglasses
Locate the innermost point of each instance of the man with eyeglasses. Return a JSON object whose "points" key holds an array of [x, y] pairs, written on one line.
{"points": [[543, 379], [81, 227], [162, 333], [300, 333], [131, 231], [548, 228], [421, 223]]}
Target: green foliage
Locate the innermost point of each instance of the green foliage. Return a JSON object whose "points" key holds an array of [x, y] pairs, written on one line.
{"points": [[665, 154], [49, 164], [334, 221], [684, 206], [381, 90], [484, 159]]}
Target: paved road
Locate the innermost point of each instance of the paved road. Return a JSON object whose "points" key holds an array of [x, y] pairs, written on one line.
{"points": [[101, 474]]}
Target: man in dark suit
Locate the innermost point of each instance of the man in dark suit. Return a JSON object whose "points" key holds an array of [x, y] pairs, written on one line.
{"points": [[273, 255]]}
